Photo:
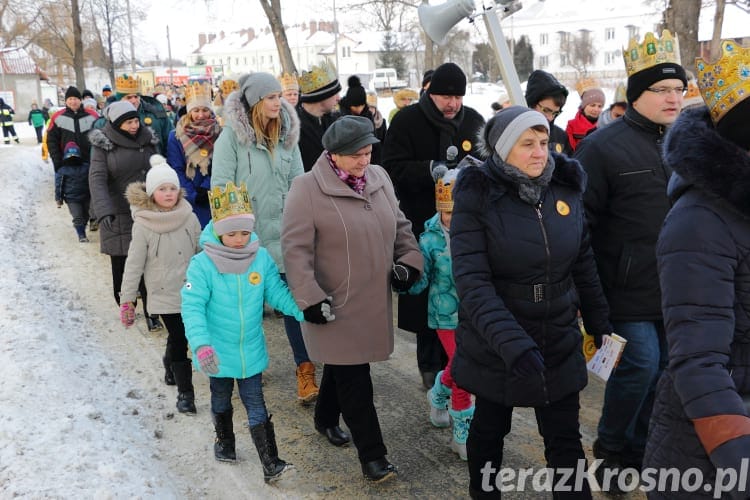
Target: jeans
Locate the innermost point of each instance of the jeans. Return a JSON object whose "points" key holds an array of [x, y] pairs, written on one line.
{"points": [[629, 396], [251, 394], [294, 335], [559, 427]]}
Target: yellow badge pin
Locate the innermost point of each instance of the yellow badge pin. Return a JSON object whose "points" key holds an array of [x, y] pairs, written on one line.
{"points": [[562, 208], [466, 145], [147, 120], [254, 278]]}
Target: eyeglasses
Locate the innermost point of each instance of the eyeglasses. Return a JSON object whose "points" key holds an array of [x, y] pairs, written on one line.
{"points": [[667, 90], [546, 111]]}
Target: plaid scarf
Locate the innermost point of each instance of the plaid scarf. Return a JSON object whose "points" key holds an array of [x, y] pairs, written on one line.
{"points": [[197, 139], [356, 183]]}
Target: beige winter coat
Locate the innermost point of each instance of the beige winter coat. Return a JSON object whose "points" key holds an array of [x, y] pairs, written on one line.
{"points": [[341, 244], [161, 248]]}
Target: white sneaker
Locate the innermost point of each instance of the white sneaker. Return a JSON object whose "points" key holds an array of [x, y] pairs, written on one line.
{"points": [[439, 417]]}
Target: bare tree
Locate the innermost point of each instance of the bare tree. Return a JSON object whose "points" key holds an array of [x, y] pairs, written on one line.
{"points": [[384, 15], [75, 15], [718, 22], [272, 8], [681, 18], [111, 16], [577, 51]]}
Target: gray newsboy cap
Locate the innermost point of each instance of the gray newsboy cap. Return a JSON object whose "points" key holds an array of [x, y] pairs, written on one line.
{"points": [[349, 134]]}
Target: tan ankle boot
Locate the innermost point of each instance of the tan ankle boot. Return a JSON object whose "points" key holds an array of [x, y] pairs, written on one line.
{"points": [[307, 390]]}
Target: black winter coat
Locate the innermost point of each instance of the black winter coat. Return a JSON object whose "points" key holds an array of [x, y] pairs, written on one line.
{"points": [[704, 268], [501, 246], [418, 134], [626, 202], [311, 132], [378, 122]]}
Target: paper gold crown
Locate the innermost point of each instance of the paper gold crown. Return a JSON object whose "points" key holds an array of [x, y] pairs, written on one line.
{"points": [[585, 84], [127, 85], [725, 83], [621, 93], [288, 82], [317, 78], [444, 196], [228, 86], [652, 51], [232, 200], [198, 94], [372, 99]]}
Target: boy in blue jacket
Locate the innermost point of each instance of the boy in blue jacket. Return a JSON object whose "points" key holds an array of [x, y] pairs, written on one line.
{"points": [[222, 308], [442, 310]]}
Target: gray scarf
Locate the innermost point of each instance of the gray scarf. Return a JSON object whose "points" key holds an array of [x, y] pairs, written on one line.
{"points": [[232, 260], [529, 190]]}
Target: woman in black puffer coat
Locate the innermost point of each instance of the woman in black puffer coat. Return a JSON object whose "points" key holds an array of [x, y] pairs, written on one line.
{"points": [[523, 267], [699, 419]]}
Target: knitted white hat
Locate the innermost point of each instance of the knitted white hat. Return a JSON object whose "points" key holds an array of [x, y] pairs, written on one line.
{"points": [[160, 173]]}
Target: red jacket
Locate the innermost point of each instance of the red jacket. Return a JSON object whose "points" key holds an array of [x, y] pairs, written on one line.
{"points": [[577, 128]]}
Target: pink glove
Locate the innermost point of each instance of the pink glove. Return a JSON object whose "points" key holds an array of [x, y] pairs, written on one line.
{"points": [[208, 359], [127, 314]]}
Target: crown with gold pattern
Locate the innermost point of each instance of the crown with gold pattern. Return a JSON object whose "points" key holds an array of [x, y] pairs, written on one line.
{"points": [[444, 191], [288, 82], [228, 86], [317, 78], [585, 84], [652, 51], [727, 82], [127, 85], [620, 93], [232, 200], [197, 95]]}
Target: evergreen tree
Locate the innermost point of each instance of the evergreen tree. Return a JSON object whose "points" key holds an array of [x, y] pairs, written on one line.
{"points": [[391, 55], [523, 58]]}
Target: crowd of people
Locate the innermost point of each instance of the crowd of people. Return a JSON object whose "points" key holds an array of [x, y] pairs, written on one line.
{"points": [[496, 237]]}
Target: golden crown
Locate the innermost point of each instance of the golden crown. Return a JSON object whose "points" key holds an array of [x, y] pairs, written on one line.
{"points": [[127, 85], [289, 82], [727, 82], [198, 94], [621, 93], [228, 86], [232, 200], [444, 196], [317, 78], [650, 52], [585, 84]]}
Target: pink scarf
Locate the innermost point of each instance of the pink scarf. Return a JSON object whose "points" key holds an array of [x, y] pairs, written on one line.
{"points": [[356, 183]]}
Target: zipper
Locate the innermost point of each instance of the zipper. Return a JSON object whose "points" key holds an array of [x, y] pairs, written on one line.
{"points": [[538, 208], [241, 317], [634, 172]]}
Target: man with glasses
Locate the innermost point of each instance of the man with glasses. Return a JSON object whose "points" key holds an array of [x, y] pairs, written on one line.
{"points": [[626, 202], [547, 95]]}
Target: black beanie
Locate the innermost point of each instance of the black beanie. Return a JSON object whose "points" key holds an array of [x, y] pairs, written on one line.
{"points": [[448, 79], [72, 92], [639, 82], [87, 93], [355, 94], [427, 77], [735, 126]]}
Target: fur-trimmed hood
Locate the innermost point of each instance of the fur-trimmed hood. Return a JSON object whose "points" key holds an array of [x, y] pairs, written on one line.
{"points": [[238, 119], [146, 212], [107, 138], [702, 158]]}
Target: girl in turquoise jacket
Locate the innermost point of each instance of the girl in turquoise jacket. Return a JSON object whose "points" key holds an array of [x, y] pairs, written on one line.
{"points": [[222, 308], [442, 313]]}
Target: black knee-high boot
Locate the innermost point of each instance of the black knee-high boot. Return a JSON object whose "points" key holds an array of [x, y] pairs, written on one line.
{"points": [[183, 374], [224, 444], [264, 439]]}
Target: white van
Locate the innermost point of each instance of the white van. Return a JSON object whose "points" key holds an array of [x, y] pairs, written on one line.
{"points": [[385, 78]]}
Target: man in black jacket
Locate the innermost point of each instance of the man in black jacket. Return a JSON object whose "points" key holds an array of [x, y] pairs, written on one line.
{"points": [[319, 94], [548, 96], [626, 202], [72, 124], [420, 134]]}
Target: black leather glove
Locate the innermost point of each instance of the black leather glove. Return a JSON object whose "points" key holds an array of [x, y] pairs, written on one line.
{"points": [[403, 276], [319, 313], [201, 195], [106, 222], [529, 363]]}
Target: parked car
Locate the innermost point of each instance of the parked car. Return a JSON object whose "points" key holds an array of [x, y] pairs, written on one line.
{"points": [[384, 79]]}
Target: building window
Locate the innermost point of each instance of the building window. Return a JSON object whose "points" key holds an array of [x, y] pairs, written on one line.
{"points": [[633, 31], [611, 58], [262, 59], [563, 59], [609, 33], [245, 60], [236, 61], [543, 61], [543, 39], [346, 51]]}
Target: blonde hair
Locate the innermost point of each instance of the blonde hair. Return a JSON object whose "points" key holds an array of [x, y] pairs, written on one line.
{"points": [[268, 135]]}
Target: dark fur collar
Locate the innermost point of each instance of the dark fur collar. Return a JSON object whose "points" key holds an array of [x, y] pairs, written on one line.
{"points": [[704, 159]]}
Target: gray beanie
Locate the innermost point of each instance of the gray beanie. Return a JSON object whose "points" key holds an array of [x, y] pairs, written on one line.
{"points": [[506, 126], [349, 134], [256, 86], [119, 111]]}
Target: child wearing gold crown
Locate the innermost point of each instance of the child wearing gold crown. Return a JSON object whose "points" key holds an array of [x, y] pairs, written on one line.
{"points": [[442, 311], [222, 306], [164, 237]]}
